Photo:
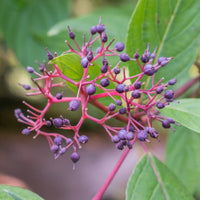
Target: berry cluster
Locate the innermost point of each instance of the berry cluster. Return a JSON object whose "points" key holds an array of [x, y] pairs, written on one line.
{"points": [[128, 102]]}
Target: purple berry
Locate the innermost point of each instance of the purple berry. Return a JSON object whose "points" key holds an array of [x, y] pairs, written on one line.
{"points": [[90, 56], [136, 94], [66, 122], [58, 140], [153, 55], [74, 105], [68, 141], [93, 30], [112, 107], [98, 50], [149, 70], [120, 145], [17, 112], [104, 38], [84, 62], [131, 128], [142, 135], [122, 134], [118, 102], [120, 88], [62, 151], [136, 55], [129, 145], [163, 63], [90, 89], [75, 157], [48, 123], [160, 105], [122, 111], [119, 46], [105, 82], [115, 138], [71, 35], [124, 57], [169, 94], [130, 135], [159, 90], [104, 69], [26, 131], [166, 124], [153, 133], [49, 54], [172, 82], [105, 61], [100, 28], [54, 148], [137, 85], [116, 70], [171, 121], [26, 87], [59, 96], [83, 139], [57, 122], [145, 57], [30, 69], [161, 59]]}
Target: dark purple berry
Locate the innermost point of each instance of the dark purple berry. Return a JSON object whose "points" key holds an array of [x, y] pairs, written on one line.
{"points": [[136, 94], [137, 85], [26, 87], [83, 139], [58, 140], [105, 61], [48, 123], [122, 134], [26, 131], [172, 82], [93, 30], [49, 54], [149, 70], [84, 62], [66, 122], [71, 35], [112, 107], [130, 135], [104, 38], [59, 96], [136, 55], [166, 124], [131, 128], [100, 28], [57, 122], [54, 148], [169, 94], [161, 59], [119, 46], [124, 57], [118, 102], [17, 112], [75, 157], [142, 135], [105, 82], [90, 56], [30, 69], [160, 105], [122, 111], [120, 88], [159, 90], [171, 121], [145, 57], [116, 70], [115, 138], [129, 145], [104, 69], [74, 105], [152, 132], [41, 67], [90, 89], [120, 145]]}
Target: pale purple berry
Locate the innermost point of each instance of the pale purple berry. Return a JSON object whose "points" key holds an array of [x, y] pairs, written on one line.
{"points": [[54, 148], [118, 102], [17, 112], [30, 69], [57, 140], [57, 122], [122, 134], [74, 105], [172, 82], [130, 135], [115, 138], [84, 62], [66, 121], [161, 59], [90, 89], [83, 139], [48, 123], [142, 135], [62, 151], [112, 107], [119, 46], [93, 30], [26, 131]]}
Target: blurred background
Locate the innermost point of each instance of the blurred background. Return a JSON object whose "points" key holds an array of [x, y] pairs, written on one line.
{"points": [[26, 29]]}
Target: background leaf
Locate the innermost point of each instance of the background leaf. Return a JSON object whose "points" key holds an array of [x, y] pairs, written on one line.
{"points": [[24, 25], [187, 113], [143, 183], [17, 193], [172, 26], [182, 156]]}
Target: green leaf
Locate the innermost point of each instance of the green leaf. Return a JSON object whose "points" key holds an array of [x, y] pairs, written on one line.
{"points": [[24, 25], [17, 193], [172, 26], [143, 183], [187, 113], [182, 156]]}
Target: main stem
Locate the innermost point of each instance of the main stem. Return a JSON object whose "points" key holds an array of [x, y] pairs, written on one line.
{"points": [[111, 176]]}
